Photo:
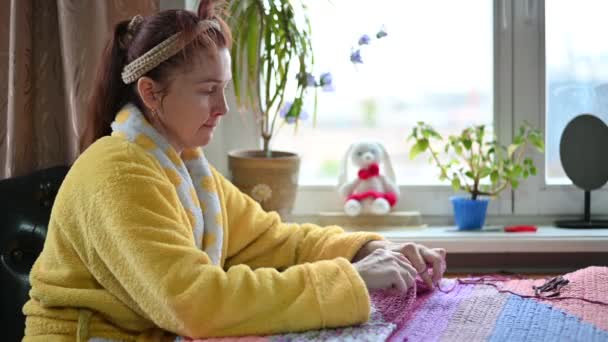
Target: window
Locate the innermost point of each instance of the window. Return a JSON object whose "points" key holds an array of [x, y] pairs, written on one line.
{"points": [[558, 72], [450, 63], [436, 65], [576, 70]]}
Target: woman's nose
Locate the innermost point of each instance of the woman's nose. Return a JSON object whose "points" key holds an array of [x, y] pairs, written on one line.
{"points": [[224, 106]]}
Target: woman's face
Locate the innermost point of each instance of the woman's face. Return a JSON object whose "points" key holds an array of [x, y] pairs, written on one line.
{"points": [[192, 106]]}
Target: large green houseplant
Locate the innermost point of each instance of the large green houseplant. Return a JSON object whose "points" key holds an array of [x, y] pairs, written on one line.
{"points": [[271, 59], [475, 164]]}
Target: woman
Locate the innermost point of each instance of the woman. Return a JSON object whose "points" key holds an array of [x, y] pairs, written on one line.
{"points": [[147, 241]]}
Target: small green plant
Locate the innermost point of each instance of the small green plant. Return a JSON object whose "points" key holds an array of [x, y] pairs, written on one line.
{"points": [[469, 160]]}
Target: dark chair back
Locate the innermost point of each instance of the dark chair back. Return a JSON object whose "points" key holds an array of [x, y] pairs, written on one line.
{"points": [[25, 208]]}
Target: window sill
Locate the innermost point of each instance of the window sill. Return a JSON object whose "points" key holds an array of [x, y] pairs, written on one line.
{"points": [[547, 239], [439, 231]]}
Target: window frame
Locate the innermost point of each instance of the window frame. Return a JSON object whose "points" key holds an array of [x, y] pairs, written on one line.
{"points": [[537, 197]]}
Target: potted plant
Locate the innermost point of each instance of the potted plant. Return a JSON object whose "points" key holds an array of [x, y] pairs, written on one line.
{"points": [[480, 166], [272, 58]]}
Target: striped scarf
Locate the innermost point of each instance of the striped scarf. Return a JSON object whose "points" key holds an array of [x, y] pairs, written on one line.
{"points": [[190, 174]]}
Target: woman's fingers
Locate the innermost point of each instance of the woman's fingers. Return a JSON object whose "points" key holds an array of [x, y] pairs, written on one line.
{"points": [[409, 276], [436, 258], [412, 252], [441, 251], [397, 267], [398, 281], [408, 271]]}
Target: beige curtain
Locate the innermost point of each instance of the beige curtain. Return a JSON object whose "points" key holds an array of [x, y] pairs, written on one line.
{"points": [[48, 55]]}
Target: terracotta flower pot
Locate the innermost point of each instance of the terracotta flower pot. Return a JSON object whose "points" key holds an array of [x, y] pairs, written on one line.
{"points": [[272, 182]]}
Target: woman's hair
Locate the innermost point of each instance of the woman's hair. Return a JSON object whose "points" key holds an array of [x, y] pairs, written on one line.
{"points": [[129, 42]]}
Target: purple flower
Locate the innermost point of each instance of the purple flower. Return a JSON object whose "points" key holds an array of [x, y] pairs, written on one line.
{"points": [[310, 80], [306, 79], [381, 34], [283, 112], [329, 88], [364, 40], [326, 78], [326, 81], [355, 57], [303, 115], [290, 117]]}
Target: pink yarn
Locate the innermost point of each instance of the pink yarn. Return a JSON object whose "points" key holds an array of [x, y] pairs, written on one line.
{"points": [[489, 281]]}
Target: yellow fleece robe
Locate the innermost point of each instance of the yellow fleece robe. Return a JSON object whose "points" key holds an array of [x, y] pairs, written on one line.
{"points": [[120, 256]]}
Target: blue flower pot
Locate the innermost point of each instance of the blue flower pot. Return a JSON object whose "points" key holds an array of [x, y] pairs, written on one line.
{"points": [[469, 214]]}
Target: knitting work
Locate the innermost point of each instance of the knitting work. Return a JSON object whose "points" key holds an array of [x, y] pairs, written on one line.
{"points": [[476, 311]]}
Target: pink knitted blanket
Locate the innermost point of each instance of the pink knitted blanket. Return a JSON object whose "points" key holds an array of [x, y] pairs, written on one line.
{"points": [[472, 311]]}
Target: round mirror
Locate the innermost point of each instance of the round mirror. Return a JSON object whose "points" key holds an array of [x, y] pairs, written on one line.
{"points": [[583, 151]]}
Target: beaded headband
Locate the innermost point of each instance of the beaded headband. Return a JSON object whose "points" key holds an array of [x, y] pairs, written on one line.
{"points": [[161, 52]]}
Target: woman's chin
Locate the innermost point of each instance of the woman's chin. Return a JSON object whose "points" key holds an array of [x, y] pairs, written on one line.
{"points": [[204, 139]]}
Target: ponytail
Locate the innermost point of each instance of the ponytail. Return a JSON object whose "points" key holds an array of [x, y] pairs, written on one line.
{"points": [[109, 93]]}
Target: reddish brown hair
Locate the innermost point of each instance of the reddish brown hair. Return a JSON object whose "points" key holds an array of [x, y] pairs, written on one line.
{"points": [[110, 93]]}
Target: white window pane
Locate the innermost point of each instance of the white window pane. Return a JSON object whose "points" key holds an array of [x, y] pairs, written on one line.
{"points": [[576, 70], [436, 65]]}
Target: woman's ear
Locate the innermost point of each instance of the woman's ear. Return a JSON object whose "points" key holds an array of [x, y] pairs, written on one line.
{"points": [[147, 90]]}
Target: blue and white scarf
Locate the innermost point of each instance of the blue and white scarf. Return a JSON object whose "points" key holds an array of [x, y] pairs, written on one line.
{"points": [[190, 174]]}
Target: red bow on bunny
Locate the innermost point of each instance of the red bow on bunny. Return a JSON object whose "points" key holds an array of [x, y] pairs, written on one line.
{"points": [[371, 171]]}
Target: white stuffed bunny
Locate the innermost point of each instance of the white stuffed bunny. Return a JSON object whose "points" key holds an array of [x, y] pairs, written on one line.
{"points": [[371, 192]]}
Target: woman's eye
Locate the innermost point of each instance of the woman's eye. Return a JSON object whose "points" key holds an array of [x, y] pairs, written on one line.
{"points": [[212, 90]]}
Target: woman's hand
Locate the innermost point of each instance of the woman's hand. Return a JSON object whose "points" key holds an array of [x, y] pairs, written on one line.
{"points": [[419, 256], [384, 269]]}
